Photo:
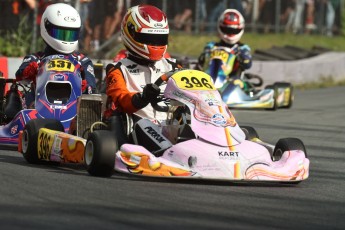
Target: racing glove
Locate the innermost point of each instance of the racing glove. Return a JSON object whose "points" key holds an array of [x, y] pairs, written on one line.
{"points": [[83, 81], [245, 59], [30, 71], [150, 94]]}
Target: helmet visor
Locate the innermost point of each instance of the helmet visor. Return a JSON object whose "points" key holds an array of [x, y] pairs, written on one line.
{"points": [[62, 33], [151, 39], [229, 30]]}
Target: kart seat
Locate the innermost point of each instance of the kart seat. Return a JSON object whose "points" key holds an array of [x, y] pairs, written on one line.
{"points": [[185, 133], [149, 135]]}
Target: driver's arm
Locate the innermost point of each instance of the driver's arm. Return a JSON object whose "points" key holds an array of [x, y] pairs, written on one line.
{"points": [[126, 101], [28, 69]]}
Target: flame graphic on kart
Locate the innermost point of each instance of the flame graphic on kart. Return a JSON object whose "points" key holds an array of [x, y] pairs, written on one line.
{"points": [[142, 164]]}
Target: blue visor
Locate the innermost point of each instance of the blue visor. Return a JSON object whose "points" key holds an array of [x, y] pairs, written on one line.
{"points": [[62, 33]]}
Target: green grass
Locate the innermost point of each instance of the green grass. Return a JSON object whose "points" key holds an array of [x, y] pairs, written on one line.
{"points": [[324, 83], [192, 45]]}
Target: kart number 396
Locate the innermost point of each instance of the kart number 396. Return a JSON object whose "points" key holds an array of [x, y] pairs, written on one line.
{"points": [[195, 81]]}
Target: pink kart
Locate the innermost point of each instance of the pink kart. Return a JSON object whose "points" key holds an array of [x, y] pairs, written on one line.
{"points": [[200, 140]]}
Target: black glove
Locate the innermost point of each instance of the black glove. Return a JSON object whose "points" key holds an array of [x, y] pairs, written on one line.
{"points": [[150, 94]]}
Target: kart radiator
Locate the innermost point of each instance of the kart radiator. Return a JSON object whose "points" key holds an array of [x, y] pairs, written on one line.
{"points": [[90, 110]]}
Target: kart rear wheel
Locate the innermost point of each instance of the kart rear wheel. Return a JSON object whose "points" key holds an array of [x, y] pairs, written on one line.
{"points": [[275, 96], [30, 137], [99, 154], [250, 132], [287, 144]]}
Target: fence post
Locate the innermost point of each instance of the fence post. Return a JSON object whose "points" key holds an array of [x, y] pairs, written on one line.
{"points": [[34, 31]]}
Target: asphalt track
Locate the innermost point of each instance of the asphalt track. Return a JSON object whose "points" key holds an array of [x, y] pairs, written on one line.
{"points": [[52, 197]]}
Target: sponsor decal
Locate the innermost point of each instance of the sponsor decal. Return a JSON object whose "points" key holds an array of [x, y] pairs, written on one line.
{"points": [[218, 119], [209, 167], [154, 134], [158, 31], [158, 25], [210, 99], [57, 56], [27, 59], [90, 69], [183, 96], [132, 69], [59, 77], [57, 146], [58, 106], [131, 66], [14, 129], [69, 19], [228, 155]]}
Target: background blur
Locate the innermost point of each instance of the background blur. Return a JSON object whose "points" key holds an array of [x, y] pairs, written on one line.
{"points": [[20, 19]]}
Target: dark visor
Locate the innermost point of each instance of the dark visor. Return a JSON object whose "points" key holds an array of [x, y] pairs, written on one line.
{"points": [[152, 39], [228, 30], [62, 33]]}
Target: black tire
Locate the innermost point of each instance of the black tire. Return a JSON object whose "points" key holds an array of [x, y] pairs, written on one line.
{"points": [[291, 96], [99, 154], [30, 137], [275, 96], [286, 144], [250, 132]]}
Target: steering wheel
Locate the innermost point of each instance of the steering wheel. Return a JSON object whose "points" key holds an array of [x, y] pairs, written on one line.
{"points": [[162, 79]]}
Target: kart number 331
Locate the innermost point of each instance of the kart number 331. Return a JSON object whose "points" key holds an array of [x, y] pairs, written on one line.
{"points": [[193, 80], [60, 65]]}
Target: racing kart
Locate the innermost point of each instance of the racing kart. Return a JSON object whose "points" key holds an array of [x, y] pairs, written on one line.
{"points": [[62, 115], [244, 90], [200, 140]]}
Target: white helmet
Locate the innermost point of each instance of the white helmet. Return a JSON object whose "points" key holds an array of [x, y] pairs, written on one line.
{"points": [[231, 26], [60, 26]]}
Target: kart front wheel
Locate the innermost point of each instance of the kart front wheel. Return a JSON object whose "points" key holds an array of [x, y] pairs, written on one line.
{"points": [[287, 144], [30, 137], [99, 155]]}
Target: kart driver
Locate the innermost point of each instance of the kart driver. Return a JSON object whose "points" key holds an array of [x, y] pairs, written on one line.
{"points": [[129, 82], [60, 27], [230, 29]]}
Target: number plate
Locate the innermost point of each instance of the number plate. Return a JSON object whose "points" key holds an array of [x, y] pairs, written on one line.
{"points": [[220, 54], [60, 65], [193, 80]]}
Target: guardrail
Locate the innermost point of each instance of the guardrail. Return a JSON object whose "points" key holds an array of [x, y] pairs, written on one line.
{"points": [[311, 69]]}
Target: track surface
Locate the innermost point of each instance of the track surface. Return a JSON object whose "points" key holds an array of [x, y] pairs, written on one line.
{"points": [[51, 197]]}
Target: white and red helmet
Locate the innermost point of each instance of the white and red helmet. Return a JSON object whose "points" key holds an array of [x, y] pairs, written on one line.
{"points": [[60, 27], [145, 31], [231, 26]]}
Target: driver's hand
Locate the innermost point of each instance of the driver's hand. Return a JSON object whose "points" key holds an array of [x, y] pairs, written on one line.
{"points": [[151, 92], [30, 71]]}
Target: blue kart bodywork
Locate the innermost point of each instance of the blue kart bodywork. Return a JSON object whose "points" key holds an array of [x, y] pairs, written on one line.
{"points": [[58, 86]]}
